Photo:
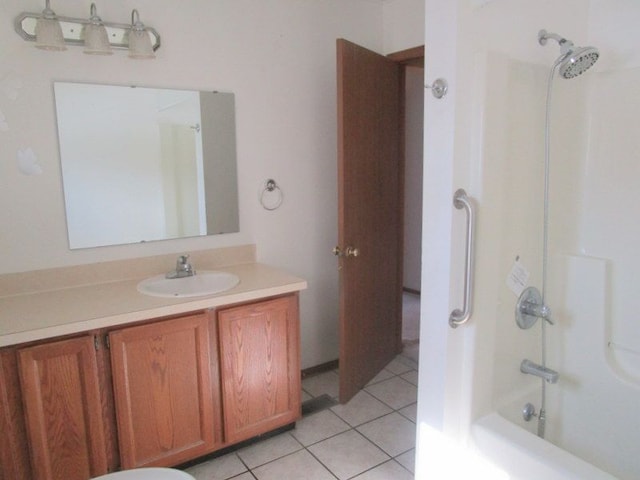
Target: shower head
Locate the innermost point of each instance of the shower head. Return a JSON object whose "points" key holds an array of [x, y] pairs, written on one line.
{"points": [[573, 60], [578, 61]]}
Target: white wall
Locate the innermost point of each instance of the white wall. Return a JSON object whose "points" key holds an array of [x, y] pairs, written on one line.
{"points": [[414, 132], [277, 56], [403, 24]]}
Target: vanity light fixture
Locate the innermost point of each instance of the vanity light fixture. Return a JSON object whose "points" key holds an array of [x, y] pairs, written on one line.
{"points": [[139, 41], [96, 39], [56, 32], [48, 32]]}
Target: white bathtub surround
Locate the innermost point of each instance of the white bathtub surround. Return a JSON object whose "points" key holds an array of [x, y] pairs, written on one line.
{"points": [[590, 411], [524, 456], [489, 139]]}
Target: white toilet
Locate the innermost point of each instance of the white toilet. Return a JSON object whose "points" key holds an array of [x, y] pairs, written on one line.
{"points": [[147, 474]]}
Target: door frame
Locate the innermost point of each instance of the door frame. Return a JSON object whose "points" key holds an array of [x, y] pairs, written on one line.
{"points": [[411, 57]]}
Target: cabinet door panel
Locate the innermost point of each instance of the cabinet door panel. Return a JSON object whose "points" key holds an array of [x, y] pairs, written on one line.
{"points": [[63, 409], [260, 367], [163, 393], [14, 456]]}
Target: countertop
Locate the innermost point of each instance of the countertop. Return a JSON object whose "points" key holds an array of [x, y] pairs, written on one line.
{"points": [[45, 314]]}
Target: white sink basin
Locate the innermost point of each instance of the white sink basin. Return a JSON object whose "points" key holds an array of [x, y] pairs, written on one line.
{"points": [[201, 284]]}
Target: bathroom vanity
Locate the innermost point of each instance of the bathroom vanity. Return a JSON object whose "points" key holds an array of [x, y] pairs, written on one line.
{"points": [[142, 381]]}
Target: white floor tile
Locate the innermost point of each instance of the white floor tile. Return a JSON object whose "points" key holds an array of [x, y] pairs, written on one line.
{"points": [[410, 412], [361, 408], [297, 466], [317, 385], [392, 433], [220, 468], [395, 392], [361, 440], [397, 367], [411, 354], [318, 426], [411, 377], [383, 375], [268, 450], [348, 454], [408, 460], [244, 476], [387, 471]]}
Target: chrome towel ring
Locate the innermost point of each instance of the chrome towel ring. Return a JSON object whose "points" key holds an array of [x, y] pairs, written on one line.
{"points": [[271, 197]]}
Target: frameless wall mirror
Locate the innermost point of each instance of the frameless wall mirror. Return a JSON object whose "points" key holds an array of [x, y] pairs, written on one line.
{"points": [[144, 164]]}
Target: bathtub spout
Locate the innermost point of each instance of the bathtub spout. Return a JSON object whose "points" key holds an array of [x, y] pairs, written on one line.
{"points": [[527, 366]]}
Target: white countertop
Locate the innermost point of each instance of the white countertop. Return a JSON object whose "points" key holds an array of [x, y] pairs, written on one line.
{"points": [[46, 314]]}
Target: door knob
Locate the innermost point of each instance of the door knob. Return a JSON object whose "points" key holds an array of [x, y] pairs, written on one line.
{"points": [[348, 252]]}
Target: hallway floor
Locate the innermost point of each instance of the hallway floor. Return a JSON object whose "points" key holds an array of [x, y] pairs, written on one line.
{"points": [[370, 438], [411, 324]]}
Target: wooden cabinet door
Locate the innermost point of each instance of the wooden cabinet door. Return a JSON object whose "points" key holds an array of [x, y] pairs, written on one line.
{"points": [[63, 413], [14, 454], [260, 366], [163, 391]]}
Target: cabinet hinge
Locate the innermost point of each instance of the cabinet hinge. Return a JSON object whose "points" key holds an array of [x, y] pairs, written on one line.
{"points": [[99, 341]]}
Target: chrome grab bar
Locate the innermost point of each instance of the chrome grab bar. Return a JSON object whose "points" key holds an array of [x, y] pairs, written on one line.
{"points": [[459, 317]]}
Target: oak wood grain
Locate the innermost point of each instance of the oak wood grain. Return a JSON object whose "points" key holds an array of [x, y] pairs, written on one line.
{"points": [[14, 454], [260, 366], [62, 403], [163, 391]]}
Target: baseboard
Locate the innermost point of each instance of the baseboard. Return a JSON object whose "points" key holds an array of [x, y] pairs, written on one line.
{"points": [[411, 290], [318, 369]]}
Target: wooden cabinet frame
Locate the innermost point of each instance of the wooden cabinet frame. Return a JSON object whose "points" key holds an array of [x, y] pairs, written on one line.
{"points": [[164, 392]]}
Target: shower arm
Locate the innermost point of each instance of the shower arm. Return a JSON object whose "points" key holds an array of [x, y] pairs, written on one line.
{"points": [[565, 45], [544, 36]]}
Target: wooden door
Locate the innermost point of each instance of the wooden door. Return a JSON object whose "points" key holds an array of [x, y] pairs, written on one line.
{"points": [[165, 404], [370, 169], [60, 390], [260, 366]]}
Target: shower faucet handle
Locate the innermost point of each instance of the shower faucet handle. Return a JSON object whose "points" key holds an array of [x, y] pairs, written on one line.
{"points": [[538, 310], [530, 308]]}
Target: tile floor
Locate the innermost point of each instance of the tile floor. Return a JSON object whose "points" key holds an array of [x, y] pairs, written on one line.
{"points": [[370, 438]]}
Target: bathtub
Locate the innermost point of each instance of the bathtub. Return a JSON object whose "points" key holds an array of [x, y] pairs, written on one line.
{"points": [[524, 456], [592, 430]]}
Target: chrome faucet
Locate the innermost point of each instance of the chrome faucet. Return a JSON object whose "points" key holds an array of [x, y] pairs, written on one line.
{"points": [[527, 366], [537, 310], [183, 268], [530, 308]]}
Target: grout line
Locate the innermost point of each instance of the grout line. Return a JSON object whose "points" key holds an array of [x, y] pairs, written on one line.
{"points": [[320, 461], [394, 459], [351, 428], [245, 465]]}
